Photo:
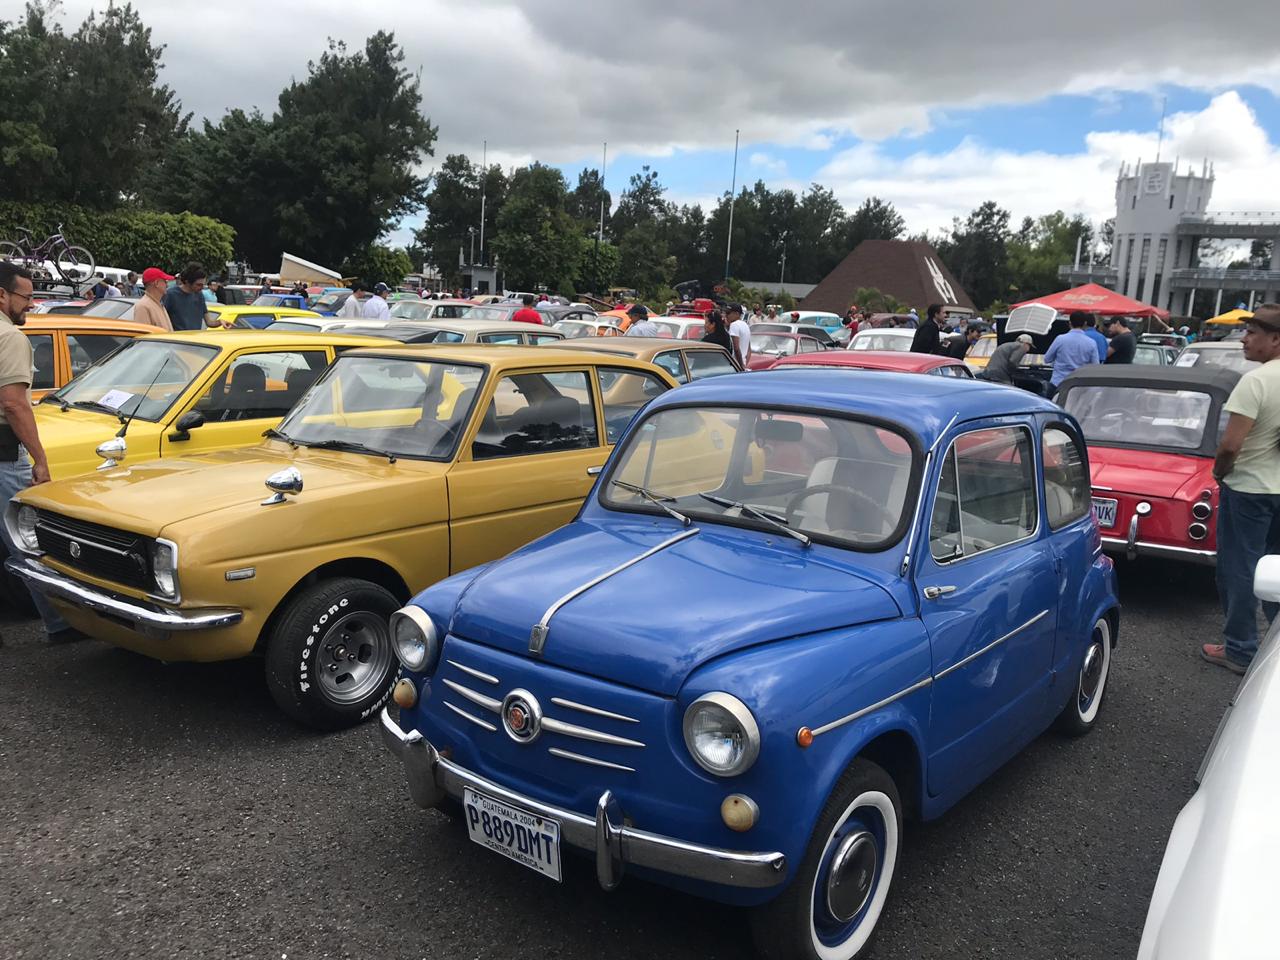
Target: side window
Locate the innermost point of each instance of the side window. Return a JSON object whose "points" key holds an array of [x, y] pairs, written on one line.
{"points": [[709, 363], [499, 338], [1066, 478], [42, 360], [87, 349], [537, 413], [808, 346], [670, 361], [623, 393], [537, 339], [261, 385], [986, 494], [255, 320]]}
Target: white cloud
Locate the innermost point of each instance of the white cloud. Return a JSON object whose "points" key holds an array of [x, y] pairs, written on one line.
{"points": [[929, 189], [764, 163]]}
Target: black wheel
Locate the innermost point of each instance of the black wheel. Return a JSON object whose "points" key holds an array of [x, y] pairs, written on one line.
{"points": [[75, 264], [1080, 715], [330, 662], [12, 252], [831, 909]]}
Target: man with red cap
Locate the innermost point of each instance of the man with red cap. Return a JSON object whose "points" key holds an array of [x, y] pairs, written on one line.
{"points": [[149, 309]]}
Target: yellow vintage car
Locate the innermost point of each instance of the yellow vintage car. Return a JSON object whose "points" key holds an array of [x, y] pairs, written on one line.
{"points": [[249, 317], [179, 393], [400, 466]]}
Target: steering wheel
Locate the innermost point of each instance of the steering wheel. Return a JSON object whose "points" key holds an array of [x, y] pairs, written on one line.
{"points": [[849, 492]]}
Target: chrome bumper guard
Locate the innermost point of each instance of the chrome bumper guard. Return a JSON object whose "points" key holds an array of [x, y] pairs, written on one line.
{"points": [[143, 615], [432, 777], [1137, 548]]}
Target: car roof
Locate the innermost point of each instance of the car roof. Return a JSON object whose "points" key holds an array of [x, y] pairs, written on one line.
{"points": [[923, 405], [893, 331], [643, 347], [49, 322], [872, 359], [498, 356], [266, 338], [1216, 345], [793, 334], [1201, 378], [478, 325], [261, 308]]}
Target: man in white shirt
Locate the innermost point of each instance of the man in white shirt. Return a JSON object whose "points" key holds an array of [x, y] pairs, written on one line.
{"points": [[351, 309], [375, 308], [740, 331]]}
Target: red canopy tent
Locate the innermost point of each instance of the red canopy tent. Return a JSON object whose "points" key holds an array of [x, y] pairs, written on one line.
{"points": [[1098, 300]]}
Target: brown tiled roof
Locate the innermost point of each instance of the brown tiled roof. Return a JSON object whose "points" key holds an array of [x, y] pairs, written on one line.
{"points": [[897, 267]]}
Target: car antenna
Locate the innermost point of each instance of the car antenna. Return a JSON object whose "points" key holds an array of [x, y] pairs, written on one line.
{"points": [[125, 421]]}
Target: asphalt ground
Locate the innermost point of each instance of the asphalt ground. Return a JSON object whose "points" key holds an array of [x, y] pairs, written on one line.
{"points": [[153, 810]]}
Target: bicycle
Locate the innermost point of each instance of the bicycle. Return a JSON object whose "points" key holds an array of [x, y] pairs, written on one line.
{"points": [[74, 264]]}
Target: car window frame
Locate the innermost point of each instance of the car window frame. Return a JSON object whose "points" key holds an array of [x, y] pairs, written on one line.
{"points": [[1078, 439], [684, 376], [466, 454], [1037, 482]]}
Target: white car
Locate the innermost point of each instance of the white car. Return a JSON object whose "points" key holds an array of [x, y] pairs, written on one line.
{"points": [[1216, 353], [883, 338], [1214, 896]]}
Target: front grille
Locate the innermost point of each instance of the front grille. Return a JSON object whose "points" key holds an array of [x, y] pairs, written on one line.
{"points": [[105, 552]]}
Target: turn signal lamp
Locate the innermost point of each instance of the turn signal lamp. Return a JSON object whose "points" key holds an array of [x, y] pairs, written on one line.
{"points": [[404, 693], [739, 812]]}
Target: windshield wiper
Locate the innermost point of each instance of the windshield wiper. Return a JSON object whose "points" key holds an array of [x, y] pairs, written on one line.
{"points": [[275, 434], [657, 499], [769, 518], [100, 407], [351, 445], [54, 398]]}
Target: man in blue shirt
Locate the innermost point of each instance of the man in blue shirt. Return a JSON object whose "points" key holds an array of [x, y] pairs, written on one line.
{"points": [[1096, 335], [1070, 352]]}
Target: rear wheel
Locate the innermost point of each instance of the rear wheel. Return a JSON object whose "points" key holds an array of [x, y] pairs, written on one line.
{"points": [[1080, 715], [831, 909], [12, 252], [75, 264], [330, 662]]}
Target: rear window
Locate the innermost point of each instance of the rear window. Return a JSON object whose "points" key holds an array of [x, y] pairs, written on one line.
{"points": [[1141, 415]]}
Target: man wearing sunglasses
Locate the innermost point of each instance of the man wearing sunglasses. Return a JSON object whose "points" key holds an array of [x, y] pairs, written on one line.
{"points": [[18, 435]]}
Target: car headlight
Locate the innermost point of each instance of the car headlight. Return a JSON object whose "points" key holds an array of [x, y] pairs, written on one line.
{"points": [[415, 639], [721, 734], [25, 528], [164, 568]]}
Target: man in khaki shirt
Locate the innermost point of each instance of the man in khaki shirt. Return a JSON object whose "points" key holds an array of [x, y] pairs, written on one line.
{"points": [[18, 435], [149, 309], [1247, 469]]}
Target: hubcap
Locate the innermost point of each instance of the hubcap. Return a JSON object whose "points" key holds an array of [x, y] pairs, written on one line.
{"points": [[852, 875], [353, 657], [1091, 672]]}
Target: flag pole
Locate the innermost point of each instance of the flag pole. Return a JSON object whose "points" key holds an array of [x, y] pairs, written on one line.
{"points": [[728, 247]]}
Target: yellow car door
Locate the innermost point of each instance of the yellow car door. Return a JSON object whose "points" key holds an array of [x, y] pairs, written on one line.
{"points": [[522, 471], [251, 391]]}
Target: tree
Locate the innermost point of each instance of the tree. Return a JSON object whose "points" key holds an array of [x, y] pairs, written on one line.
{"points": [[873, 300], [535, 238], [644, 263], [85, 115], [587, 200], [376, 264], [641, 202], [1039, 247], [976, 253], [453, 212], [874, 220]]}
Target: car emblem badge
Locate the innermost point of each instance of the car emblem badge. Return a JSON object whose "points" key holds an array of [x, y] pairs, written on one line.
{"points": [[74, 550], [521, 716]]}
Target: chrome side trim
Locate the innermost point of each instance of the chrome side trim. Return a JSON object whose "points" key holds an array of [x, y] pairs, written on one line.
{"points": [[594, 711], [990, 646], [538, 635], [141, 615], [479, 699], [466, 716], [473, 672], [826, 727], [585, 733], [568, 755], [1098, 486]]}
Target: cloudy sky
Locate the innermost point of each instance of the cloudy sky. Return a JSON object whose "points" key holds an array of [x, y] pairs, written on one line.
{"points": [[934, 105]]}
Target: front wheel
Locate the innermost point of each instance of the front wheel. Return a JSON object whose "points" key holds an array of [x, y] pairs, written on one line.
{"points": [[75, 264], [1080, 715], [831, 909], [330, 662], [12, 252]]}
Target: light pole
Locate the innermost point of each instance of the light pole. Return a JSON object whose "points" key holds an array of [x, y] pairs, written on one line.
{"points": [[471, 231], [728, 247], [484, 176], [783, 273]]}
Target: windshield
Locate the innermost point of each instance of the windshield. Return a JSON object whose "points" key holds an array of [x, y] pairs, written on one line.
{"points": [[407, 408], [412, 310], [665, 329], [293, 325], [486, 313], [142, 379], [778, 346], [1141, 415], [110, 309], [881, 341], [824, 476], [1229, 357], [331, 301], [575, 328], [985, 347], [274, 300]]}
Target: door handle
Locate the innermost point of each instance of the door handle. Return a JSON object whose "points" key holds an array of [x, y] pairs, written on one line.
{"points": [[933, 593], [594, 471]]}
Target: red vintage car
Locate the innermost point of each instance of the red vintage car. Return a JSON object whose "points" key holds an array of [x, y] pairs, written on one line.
{"points": [[1152, 433], [881, 360]]}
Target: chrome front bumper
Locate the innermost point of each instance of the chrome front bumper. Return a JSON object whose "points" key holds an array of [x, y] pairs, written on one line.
{"points": [[141, 614], [432, 777]]}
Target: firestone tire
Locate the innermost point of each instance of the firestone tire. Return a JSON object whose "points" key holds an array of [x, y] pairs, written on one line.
{"points": [[831, 908], [330, 662]]}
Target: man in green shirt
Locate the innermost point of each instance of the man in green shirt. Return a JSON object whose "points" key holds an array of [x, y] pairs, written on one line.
{"points": [[1247, 469]]}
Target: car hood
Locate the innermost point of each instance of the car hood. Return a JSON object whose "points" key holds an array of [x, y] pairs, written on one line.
{"points": [[650, 625], [69, 437], [148, 497], [1146, 473]]}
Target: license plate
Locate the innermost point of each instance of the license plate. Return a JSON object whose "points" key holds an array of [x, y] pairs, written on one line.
{"points": [[519, 835], [1105, 512]]}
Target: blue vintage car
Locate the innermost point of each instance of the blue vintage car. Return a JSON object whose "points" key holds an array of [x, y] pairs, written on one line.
{"points": [[796, 608]]}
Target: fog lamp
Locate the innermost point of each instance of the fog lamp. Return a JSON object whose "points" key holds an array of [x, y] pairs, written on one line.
{"points": [[739, 812], [404, 693]]}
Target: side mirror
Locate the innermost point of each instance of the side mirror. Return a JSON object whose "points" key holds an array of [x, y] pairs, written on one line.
{"points": [[286, 481], [112, 452], [1266, 579], [185, 424]]}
